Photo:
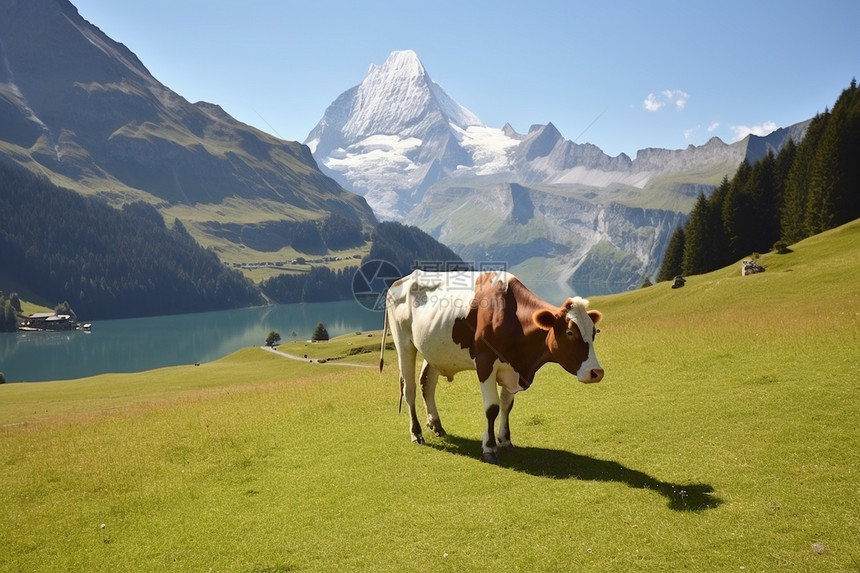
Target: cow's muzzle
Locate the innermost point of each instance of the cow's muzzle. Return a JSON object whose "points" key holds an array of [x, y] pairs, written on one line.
{"points": [[592, 376]]}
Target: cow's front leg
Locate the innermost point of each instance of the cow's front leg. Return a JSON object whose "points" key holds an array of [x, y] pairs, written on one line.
{"points": [[506, 404], [491, 408], [429, 378]]}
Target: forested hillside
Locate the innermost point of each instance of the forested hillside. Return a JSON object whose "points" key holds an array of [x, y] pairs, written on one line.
{"points": [[107, 263], [110, 263], [407, 246], [804, 190], [403, 246]]}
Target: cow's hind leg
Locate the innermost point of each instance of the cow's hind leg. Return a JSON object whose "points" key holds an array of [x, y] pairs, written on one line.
{"points": [[429, 378], [406, 355]]}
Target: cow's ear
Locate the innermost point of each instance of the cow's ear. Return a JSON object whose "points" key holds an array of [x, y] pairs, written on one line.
{"points": [[595, 316], [545, 319]]}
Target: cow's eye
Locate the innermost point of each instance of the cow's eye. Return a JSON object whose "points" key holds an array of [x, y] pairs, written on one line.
{"points": [[570, 332]]}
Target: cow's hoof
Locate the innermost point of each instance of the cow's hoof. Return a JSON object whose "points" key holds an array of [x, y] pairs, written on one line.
{"points": [[436, 427], [418, 440], [507, 447], [491, 457]]}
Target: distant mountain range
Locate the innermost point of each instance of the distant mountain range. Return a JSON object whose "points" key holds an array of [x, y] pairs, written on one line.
{"points": [[82, 110], [547, 206]]}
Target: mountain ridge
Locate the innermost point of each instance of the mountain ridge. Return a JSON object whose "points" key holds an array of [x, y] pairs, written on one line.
{"points": [[430, 173], [392, 163]]}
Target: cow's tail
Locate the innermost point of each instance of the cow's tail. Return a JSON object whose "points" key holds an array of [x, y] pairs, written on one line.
{"points": [[382, 356], [384, 334]]}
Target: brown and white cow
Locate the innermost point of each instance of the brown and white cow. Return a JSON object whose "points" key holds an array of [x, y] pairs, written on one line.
{"points": [[488, 322]]}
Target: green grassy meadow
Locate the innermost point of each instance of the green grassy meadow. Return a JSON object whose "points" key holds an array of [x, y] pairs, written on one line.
{"points": [[723, 438]]}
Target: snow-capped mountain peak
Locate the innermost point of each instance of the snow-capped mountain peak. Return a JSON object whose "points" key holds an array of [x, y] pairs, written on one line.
{"points": [[382, 136], [399, 97]]}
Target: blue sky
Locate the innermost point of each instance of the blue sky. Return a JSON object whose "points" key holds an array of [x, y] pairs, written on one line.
{"points": [[621, 75]]}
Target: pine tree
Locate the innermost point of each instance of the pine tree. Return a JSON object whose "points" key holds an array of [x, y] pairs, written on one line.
{"points": [[824, 180], [735, 211], [695, 260], [794, 210], [8, 317], [762, 218], [846, 114], [782, 168], [673, 258], [320, 333]]}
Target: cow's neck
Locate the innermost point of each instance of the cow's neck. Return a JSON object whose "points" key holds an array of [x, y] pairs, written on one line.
{"points": [[533, 348], [527, 371]]}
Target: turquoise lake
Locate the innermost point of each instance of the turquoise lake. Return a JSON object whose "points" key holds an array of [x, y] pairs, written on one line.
{"points": [[134, 345]]}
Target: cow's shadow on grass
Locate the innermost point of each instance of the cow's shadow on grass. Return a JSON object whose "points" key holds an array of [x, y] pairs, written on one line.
{"points": [[559, 464]]}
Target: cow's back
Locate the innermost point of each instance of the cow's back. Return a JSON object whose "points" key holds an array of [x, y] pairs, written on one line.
{"points": [[424, 308]]}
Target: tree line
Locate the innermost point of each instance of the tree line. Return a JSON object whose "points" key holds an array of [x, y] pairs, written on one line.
{"points": [[334, 232], [805, 189], [320, 284]]}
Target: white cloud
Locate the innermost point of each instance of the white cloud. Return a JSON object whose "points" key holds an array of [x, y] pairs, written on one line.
{"points": [[651, 103], [657, 100], [742, 131], [713, 127], [678, 97]]}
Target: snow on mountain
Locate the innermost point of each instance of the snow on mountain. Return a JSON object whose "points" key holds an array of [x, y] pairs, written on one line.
{"points": [[399, 97], [396, 98], [489, 147]]}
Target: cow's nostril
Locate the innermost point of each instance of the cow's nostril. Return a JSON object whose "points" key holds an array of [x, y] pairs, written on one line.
{"points": [[596, 374]]}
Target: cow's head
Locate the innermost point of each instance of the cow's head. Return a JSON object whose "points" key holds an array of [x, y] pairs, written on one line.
{"points": [[570, 338]]}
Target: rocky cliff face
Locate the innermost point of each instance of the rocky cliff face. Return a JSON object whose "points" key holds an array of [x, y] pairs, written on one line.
{"points": [[551, 238]]}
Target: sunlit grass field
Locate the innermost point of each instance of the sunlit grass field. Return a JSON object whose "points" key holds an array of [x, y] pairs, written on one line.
{"points": [[723, 438]]}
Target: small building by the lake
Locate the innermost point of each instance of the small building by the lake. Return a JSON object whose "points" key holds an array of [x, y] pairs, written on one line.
{"points": [[41, 321]]}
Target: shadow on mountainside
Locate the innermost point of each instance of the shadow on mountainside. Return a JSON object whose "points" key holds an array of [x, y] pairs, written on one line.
{"points": [[559, 464]]}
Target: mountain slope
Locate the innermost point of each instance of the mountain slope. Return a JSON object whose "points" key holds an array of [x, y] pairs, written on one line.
{"points": [[83, 110], [106, 262]]}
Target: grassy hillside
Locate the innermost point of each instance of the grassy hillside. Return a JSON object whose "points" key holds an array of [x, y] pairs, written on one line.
{"points": [[723, 438]]}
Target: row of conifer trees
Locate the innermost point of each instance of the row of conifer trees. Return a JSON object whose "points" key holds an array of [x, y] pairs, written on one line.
{"points": [[805, 189]]}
